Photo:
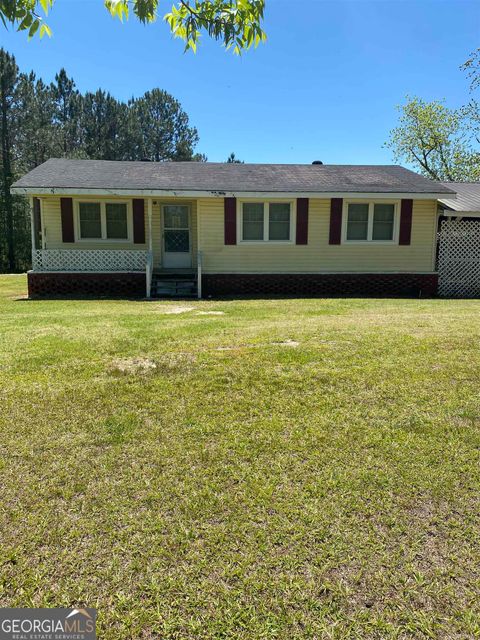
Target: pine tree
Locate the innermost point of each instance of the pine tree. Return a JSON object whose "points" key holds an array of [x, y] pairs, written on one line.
{"points": [[39, 121], [8, 84], [102, 122], [67, 113], [162, 129]]}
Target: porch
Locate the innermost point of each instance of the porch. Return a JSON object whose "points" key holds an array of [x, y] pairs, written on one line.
{"points": [[85, 264], [154, 238]]}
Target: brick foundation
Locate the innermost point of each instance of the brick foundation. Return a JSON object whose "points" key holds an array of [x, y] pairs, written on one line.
{"points": [[325, 284], [132, 285], [92, 285]]}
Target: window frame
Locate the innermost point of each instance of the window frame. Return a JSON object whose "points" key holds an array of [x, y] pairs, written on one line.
{"points": [[103, 221], [266, 220], [371, 205]]}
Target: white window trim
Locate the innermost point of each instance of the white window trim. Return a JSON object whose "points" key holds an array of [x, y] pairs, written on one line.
{"points": [[266, 203], [369, 240], [103, 221]]}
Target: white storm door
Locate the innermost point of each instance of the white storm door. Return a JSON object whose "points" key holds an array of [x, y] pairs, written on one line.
{"points": [[177, 245]]}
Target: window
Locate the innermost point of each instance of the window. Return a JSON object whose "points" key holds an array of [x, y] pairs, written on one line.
{"points": [[175, 216], [279, 221], [370, 221], [116, 220], [357, 227], [253, 223], [266, 221], [383, 221], [90, 220], [103, 221]]}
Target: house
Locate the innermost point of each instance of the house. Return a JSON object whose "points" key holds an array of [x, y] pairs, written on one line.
{"points": [[144, 228]]}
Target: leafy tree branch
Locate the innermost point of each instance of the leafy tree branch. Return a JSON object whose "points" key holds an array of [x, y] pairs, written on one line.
{"points": [[237, 24], [439, 142]]}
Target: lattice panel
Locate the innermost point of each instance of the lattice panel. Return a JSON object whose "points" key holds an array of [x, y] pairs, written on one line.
{"points": [[99, 260], [459, 259]]}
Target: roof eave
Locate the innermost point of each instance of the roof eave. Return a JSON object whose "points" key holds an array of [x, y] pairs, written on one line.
{"points": [[205, 193], [449, 212]]}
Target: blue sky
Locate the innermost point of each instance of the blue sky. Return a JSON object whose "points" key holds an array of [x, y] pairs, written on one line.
{"points": [[324, 86]]}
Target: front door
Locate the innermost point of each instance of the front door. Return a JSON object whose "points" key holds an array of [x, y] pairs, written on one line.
{"points": [[177, 245]]}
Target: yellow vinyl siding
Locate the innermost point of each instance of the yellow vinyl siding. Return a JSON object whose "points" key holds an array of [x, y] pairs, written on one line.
{"points": [[318, 255], [52, 227]]}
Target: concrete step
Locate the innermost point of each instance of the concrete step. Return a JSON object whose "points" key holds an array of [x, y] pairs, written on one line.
{"points": [[173, 288], [188, 275]]}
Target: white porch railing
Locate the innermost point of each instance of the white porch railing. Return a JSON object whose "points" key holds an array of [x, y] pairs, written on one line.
{"points": [[97, 260]]}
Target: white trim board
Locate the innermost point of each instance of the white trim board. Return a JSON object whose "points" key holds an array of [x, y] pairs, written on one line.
{"points": [[450, 213], [179, 193]]}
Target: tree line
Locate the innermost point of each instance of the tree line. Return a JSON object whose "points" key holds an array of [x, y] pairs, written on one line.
{"points": [[40, 121]]}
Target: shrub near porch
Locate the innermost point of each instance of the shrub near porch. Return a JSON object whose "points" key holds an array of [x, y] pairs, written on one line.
{"points": [[242, 469]]}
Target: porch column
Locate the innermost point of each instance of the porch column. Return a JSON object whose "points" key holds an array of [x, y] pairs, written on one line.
{"points": [[150, 248], [32, 230], [43, 228], [199, 256]]}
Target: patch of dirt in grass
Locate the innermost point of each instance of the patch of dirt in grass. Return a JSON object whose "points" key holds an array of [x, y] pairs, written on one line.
{"points": [[176, 363], [175, 310], [210, 313], [166, 364], [133, 366], [286, 343], [259, 345], [430, 518]]}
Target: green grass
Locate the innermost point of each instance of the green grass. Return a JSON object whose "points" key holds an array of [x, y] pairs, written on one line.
{"points": [[198, 476]]}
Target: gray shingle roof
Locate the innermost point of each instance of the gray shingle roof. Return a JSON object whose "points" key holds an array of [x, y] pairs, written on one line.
{"points": [[222, 177], [468, 196]]}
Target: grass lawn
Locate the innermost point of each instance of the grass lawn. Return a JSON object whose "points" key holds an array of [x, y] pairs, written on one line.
{"points": [[242, 469]]}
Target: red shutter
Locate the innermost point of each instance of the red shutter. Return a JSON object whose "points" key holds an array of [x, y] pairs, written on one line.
{"points": [[406, 211], [230, 217], [336, 206], [66, 210], [302, 221], [138, 221]]}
